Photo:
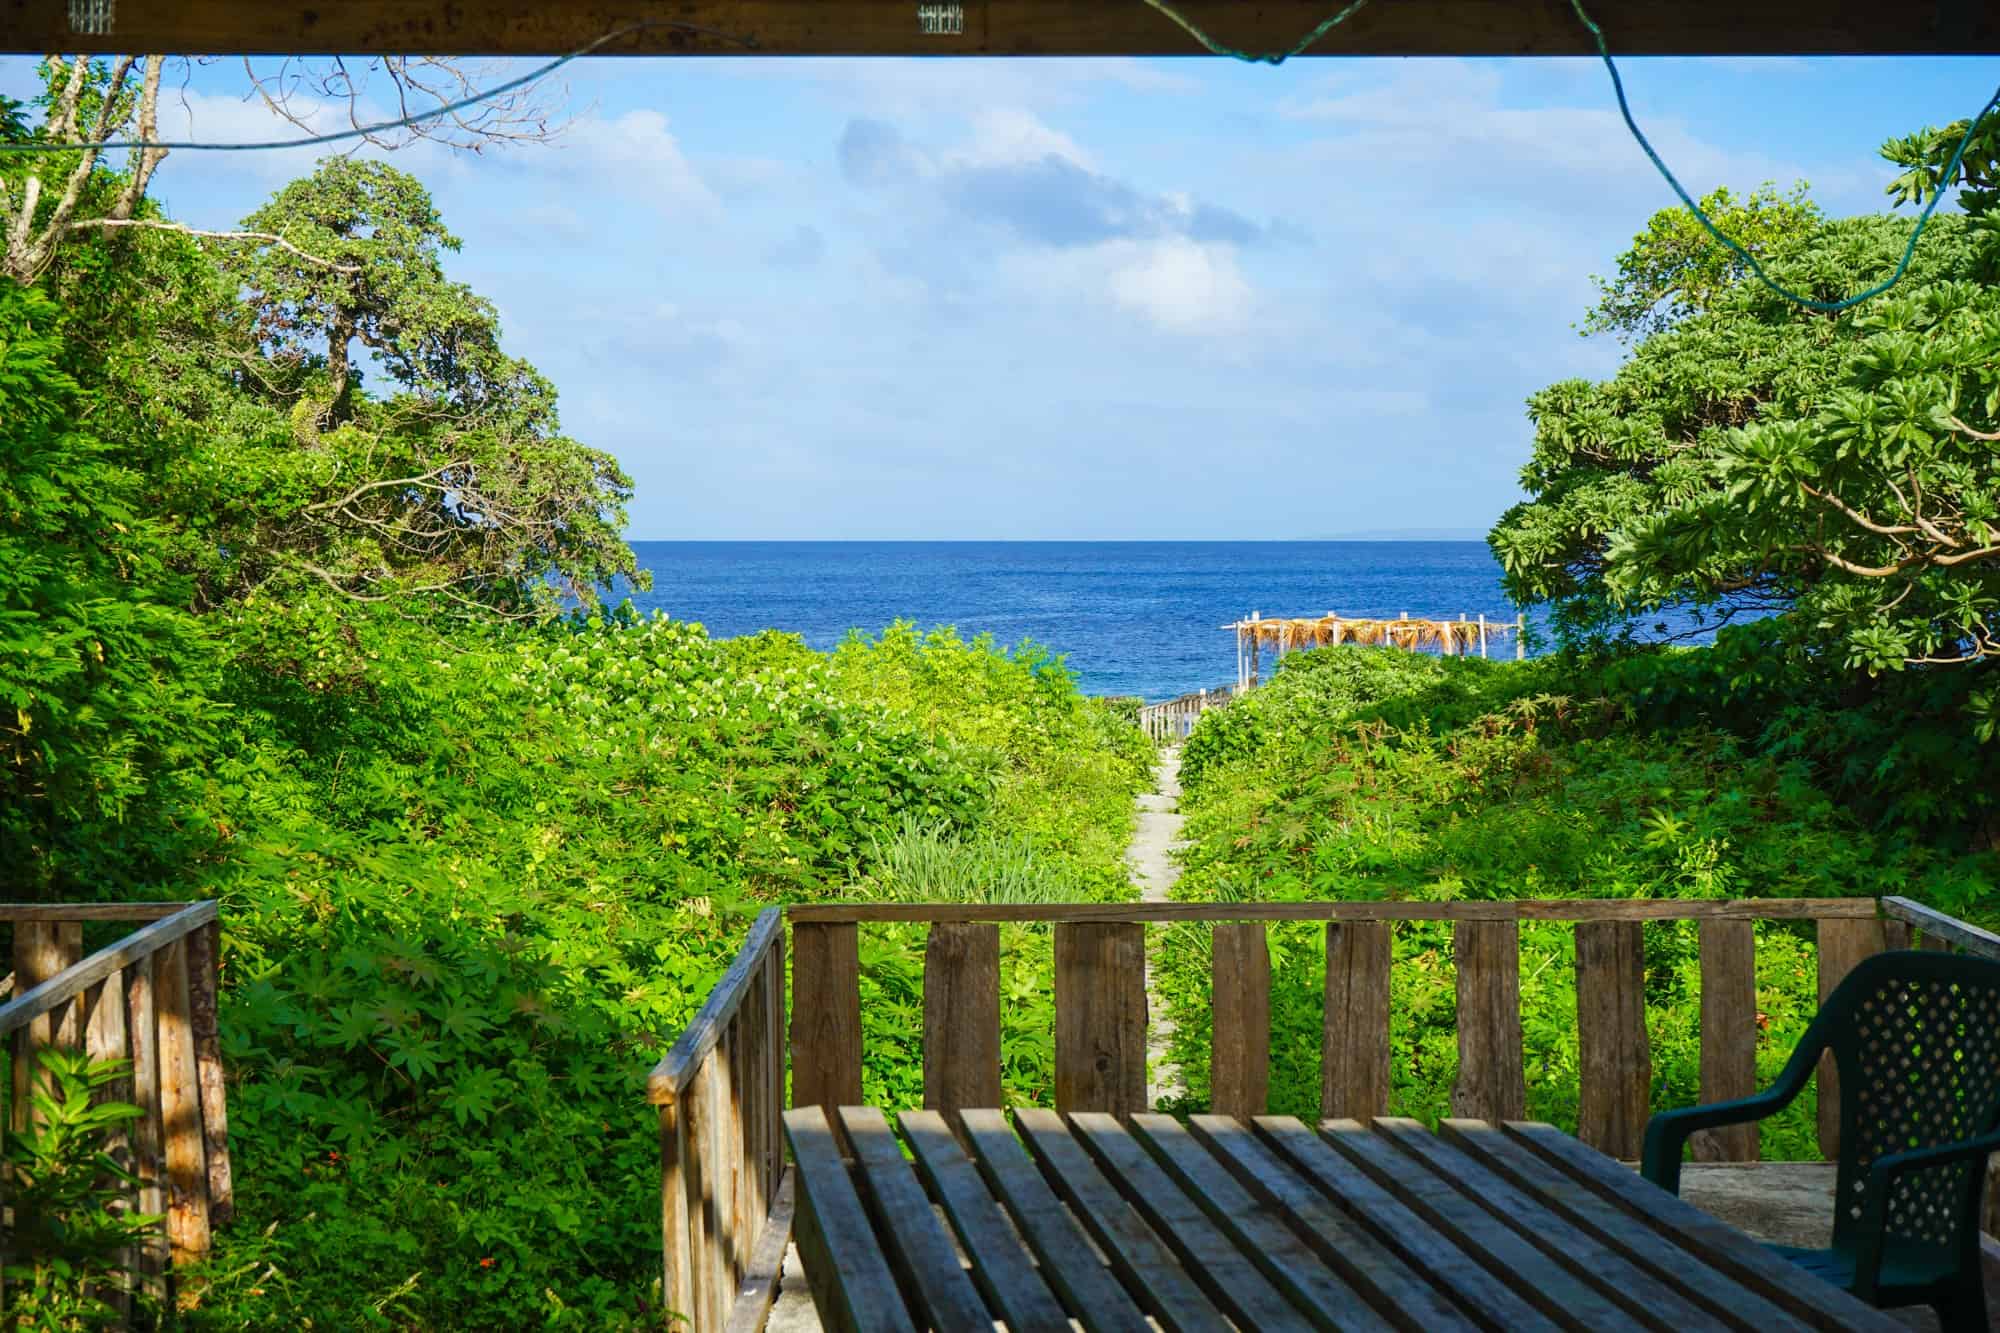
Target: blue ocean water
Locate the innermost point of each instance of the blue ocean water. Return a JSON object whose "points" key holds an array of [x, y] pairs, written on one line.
{"points": [[1130, 617]]}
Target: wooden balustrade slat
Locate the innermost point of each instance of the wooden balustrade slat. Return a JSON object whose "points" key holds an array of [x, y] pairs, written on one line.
{"points": [[1491, 1084], [104, 1039], [677, 1284], [826, 1016], [697, 1109], [1354, 1047], [1522, 909], [776, 1056], [1842, 944], [1100, 994], [1615, 1063], [204, 981], [1240, 1040], [1728, 1034], [180, 1108], [961, 1018], [752, 1032], [142, 1032], [42, 951]]}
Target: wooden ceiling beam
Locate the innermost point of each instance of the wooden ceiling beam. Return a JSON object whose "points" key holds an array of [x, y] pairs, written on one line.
{"points": [[1007, 27]]}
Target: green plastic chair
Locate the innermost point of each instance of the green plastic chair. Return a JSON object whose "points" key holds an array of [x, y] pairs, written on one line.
{"points": [[1916, 1038]]}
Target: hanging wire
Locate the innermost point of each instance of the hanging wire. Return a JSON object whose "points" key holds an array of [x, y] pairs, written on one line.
{"points": [[401, 122], [1708, 224], [1273, 58]]}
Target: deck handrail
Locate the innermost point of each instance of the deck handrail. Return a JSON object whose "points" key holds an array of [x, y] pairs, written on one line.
{"points": [[814, 1043], [725, 1209], [148, 998]]}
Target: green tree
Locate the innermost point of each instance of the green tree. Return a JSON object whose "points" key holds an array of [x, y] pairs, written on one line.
{"points": [[1754, 455]]}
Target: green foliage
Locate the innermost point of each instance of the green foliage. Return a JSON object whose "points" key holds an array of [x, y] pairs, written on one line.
{"points": [[475, 882], [1751, 456], [68, 1196], [1675, 269], [102, 676], [1378, 774]]}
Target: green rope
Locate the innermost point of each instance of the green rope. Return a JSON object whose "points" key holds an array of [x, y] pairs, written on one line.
{"points": [[1638, 135], [1274, 58], [1916, 233]]}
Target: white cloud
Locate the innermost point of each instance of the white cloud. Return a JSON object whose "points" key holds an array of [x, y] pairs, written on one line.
{"points": [[1182, 286], [1003, 136]]}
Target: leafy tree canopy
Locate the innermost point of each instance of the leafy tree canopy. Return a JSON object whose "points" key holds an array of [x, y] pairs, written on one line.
{"points": [[1752, 455]]}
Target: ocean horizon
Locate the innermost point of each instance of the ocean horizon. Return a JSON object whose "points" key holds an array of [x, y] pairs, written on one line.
{"points": [[1128, 617]]}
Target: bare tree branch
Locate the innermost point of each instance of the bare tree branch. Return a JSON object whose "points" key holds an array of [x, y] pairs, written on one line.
{"points": [[261, 237], [301, 89]]}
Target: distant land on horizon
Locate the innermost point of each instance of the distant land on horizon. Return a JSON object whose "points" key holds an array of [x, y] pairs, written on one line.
{"points": [[1409, 535], [1372, 535]]}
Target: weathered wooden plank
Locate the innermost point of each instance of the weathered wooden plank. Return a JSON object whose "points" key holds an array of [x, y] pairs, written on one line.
{"points": [[726, 1149], [204, 982], [826, 1015], [88, 911], [1343, 1293], [1088, 1289], [31, 1002], [148, 1158], [697, 1168], [1391, 1222], [1615, 1059], [1100, 992], [677, 1249], [1531, 1275], [1715, 1242], [776, 1056], [1520, 909], [1721, 1296], [1947, 929], [766, 1266], [1728, 1034], [1240, 1044], [1354, 1047], [1842, 944], [43, 952], [1001, 1268], [180, 1109], [104, 1039], [916, 1244], [1148, 1268], [1001, 28], [961, 1016], [852, 1287], [673, 1071], [1647, 1301], [1491, 1083], [1226, 1273]]}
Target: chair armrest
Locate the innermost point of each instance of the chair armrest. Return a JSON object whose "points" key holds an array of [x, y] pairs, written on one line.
{"points": [[1667, 1133], [1882, 1175]]}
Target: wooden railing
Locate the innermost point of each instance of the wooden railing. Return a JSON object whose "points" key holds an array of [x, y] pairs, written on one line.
{"points": [[725, 1197], [148, 998], [1173, 719], [725, 1191], [1100, 1002]]}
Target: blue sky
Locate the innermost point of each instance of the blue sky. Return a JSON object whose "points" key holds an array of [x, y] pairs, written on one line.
{"points": [[1084, 299]]}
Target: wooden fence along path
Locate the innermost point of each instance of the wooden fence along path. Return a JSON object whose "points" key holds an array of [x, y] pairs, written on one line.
{"points": [[726, 1197], [148, 998], [1296, 633], [1171, 721]]}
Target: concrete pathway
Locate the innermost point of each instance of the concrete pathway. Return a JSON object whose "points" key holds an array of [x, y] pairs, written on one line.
{"points": [[1150, 857]]}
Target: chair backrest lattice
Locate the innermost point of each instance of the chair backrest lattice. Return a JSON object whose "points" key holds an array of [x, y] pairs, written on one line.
{"points": [[1917, 1040]]}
